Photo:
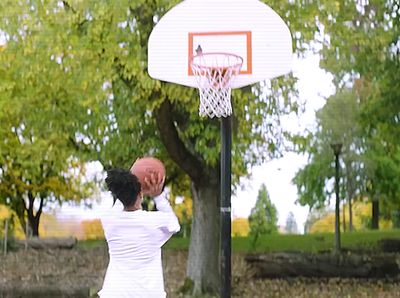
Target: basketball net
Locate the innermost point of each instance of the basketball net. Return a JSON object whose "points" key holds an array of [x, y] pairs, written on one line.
{"points": [[215, 73]]}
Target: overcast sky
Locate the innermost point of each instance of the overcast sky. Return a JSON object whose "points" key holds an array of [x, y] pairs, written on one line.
{"points": [[315, 85]]}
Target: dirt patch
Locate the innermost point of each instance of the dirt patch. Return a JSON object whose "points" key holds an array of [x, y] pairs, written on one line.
{"points": [[82, 269], [68, 270]]}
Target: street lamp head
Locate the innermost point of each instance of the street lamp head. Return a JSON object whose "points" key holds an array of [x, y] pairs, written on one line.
{"points": [[337, 148]]}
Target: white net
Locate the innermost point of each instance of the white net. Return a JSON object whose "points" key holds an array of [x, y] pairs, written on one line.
{"points": [[215, 73]]}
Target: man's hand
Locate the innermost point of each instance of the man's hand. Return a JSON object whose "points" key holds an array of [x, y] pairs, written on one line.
{"points": [[153, 186]]}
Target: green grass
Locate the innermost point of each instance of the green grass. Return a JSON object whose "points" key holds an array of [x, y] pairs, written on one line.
{"points": [[177, 243], [92, 243], [367, 240], [279, 242]]}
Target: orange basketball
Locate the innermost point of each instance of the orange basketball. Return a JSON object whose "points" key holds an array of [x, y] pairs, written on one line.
{"points": [[146, 166]]}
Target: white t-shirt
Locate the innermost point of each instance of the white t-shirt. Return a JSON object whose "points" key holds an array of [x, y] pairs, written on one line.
{"points": [[134, 242]]}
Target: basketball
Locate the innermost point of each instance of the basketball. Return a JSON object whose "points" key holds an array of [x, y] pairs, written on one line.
{"points": [[145, 166]]}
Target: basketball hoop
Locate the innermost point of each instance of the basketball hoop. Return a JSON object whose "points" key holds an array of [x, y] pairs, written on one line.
{"points": [[215, 73]]}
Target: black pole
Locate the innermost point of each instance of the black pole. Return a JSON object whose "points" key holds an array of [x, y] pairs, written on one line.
{"points": [[226, 144]]}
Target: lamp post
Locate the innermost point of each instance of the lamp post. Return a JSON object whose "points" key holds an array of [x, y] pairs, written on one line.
{"points": [[337, 150]]}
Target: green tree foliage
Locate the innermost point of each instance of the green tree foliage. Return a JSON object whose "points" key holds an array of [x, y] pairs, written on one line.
{"points": [[360, 41], [360, 47], [337, 123], [263, 218], [365, 170], [82, 66], [38, 113]]}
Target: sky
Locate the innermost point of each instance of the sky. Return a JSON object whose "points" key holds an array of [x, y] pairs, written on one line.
{"points": [[315, 85]]}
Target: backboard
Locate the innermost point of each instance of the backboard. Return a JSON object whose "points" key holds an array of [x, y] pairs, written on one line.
{"points": [[247, 28]]}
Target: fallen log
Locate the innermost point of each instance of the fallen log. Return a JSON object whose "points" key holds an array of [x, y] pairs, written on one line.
{"points": [[48, 243], [281, 265], [43, 291], [390, 245]]}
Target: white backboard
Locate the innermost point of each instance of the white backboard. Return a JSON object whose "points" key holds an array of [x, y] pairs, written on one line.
{"points": [[247, 28]]}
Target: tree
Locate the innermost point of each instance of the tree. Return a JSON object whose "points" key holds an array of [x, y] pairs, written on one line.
{"points": [[360, 48], [38, 164], [337, 149], [339, 120], [92, 229], [338, 129], [337, 123], [240, 227], [184, 212], [362, 219], [95, 53], [291, 224], [263, 217], [315, 216]]}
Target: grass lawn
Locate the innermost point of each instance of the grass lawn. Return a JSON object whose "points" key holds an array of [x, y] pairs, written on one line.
{"points": [[280, 242], [367, 240]]}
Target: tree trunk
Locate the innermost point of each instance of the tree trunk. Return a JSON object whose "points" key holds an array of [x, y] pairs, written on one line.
{"points": [[203, 261], [15, 289], [350, 192], [34, 219], [396, 219], [20, 211], [48, 243], [337, 244], [375, 213], [350, 215], [344, 215], [34, 224]]}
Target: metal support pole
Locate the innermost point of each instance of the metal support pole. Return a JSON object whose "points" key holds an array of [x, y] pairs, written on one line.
{"points": [[226, 145]]}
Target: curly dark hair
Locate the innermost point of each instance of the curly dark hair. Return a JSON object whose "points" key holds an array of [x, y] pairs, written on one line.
{"points": [[123, 185]]}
